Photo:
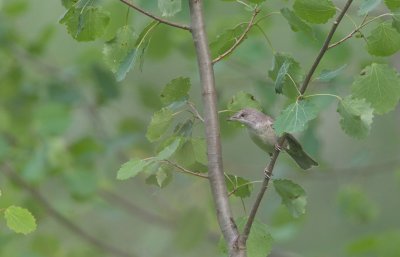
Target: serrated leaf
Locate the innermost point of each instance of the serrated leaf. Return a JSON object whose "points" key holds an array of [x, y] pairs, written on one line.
{"points": [[226, 40], [379, 84], [295, 117], [243, 100], [87, 23], [159, 124], [239, 186], [294, 71], [356, 116], [314, 11], [122, 52], [259, 243], [119, 53], [132, 168], [176, 91], [393, 5], [296, 23], [355, 206], [293, 196], [328, 75], [19, 220], [169, 149], [169, 8], [200, 150], [367, 6], [384, 40], [283, 70]]}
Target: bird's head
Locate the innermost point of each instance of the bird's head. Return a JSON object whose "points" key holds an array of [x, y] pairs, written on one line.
{"points": [[249, 117]]}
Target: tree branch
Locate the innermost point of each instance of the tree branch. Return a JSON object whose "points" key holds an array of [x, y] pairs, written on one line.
{"points": [[241, 38], [324, 48], [9, 172], [269, 169], [216, 174], [184, 170], [161, 20]]}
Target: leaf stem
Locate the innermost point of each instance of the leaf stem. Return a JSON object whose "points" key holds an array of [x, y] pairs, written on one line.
{"points": [[336, 96], [357, 29], [184, 170], [161, 20], [240, 39]]}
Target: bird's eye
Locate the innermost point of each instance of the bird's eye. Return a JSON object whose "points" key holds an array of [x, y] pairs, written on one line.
{"points": [[242, 115]]}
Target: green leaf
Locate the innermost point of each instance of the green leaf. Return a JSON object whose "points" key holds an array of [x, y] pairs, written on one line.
{"points": [[295, 117], [296, 23], [239, 186], [176, 91], [20, 220], [314, 11], [226, 40], [355, 206], [132, 168], [396, 22], [69, 3], [293, 196], [393, 5], [200, 150], [122, 52], [283, 71], [256, 1], [169, 8], [259, 243], [385, 244], [169, 149], [379, 84], [86, 23], [294, 71], [243, 100], [356, 115], [161, 178], [328, 75], [367, 6], [143, 41], [159, 124], [384, 40]]}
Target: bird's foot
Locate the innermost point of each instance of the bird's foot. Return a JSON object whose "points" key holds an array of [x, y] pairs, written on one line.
{"points": [[267, 174], [278, 147]]}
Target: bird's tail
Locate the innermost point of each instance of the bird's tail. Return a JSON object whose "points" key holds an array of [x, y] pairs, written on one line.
{"points": [[295, 150]]}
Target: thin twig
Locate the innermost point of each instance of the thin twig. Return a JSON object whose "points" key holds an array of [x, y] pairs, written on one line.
{"points": [[184, 170], [362, 25], [324, 47], [211, 124], [161, 20], [269, 169], [195, 111], [240, 39], [8, 170]]}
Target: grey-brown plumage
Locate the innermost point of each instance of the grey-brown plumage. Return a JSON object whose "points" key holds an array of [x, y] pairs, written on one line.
{"points": [[262, 133]]}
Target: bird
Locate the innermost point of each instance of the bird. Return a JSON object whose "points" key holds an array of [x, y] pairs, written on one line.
{"points": [[261, 131]]}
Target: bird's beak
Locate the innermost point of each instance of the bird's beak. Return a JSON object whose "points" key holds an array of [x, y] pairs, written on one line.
{"points": [[232, 118]]}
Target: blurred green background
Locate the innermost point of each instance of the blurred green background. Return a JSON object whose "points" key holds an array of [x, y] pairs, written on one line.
{"points": [[66, 126]]}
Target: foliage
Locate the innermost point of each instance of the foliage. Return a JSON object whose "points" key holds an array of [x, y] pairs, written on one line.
{"points": [[81, 119]]}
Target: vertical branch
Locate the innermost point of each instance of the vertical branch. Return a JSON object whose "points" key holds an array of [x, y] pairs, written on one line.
{"points": [[216, 175]]}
